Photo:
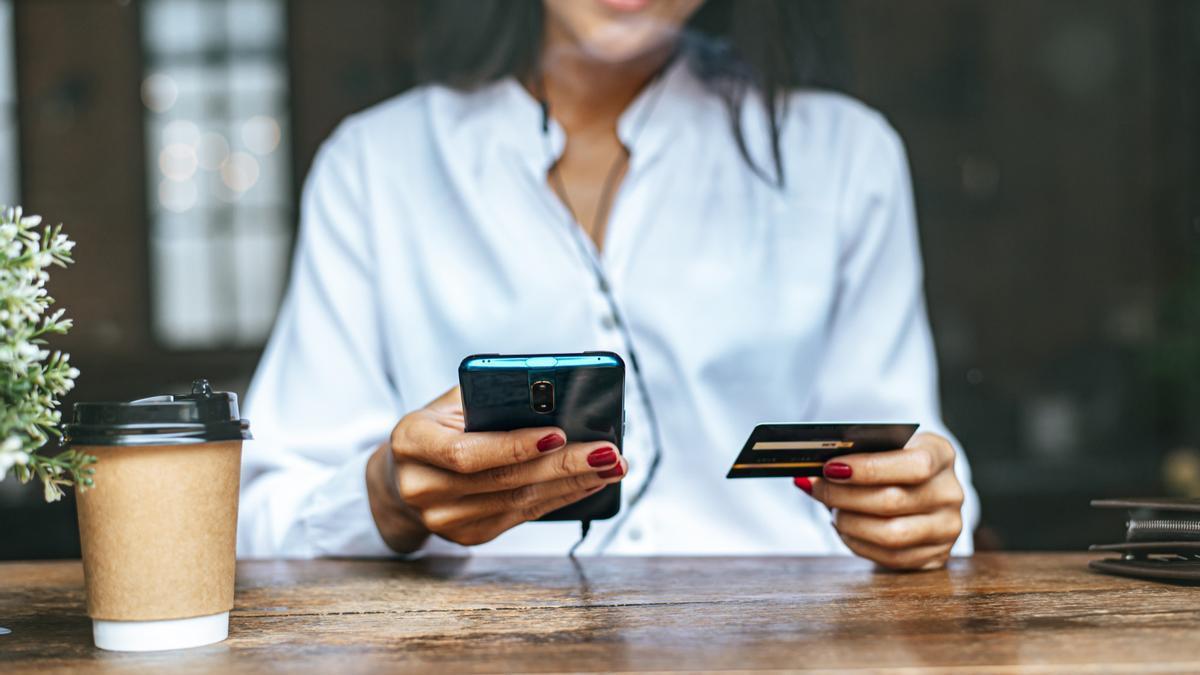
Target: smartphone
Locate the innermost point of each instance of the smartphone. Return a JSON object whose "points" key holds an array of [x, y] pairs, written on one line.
{"points": [[583, 394]]}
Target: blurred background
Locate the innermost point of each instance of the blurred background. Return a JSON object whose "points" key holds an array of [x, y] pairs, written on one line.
{"points": [[1056, 159]]}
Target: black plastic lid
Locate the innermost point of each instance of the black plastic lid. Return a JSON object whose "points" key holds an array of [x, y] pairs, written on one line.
{"points": [[199, 417]]}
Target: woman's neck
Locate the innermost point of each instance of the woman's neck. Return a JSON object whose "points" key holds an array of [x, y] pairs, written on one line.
{"points": [[585, 92]]}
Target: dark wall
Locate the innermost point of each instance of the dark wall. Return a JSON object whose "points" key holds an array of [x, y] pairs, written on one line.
{"points": [[1056, 158], [345, 57], [1054, 149]]}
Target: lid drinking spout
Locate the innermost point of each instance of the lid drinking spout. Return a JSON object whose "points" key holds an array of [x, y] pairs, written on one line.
{"points": [[201, 388]]}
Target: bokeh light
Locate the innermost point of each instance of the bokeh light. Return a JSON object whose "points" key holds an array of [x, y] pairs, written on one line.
{"points": [[159, 92], [240, 171], [178, 161], [261, 134]]}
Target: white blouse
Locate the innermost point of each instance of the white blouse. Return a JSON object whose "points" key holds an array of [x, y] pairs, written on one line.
{"points": [[428, 232]]}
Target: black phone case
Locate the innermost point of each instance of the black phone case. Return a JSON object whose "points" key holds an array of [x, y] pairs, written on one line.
{"points": [[589, 406]]}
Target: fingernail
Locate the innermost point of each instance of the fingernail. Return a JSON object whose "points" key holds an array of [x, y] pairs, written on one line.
{"points": [[803, 483], [551, 442], [614, 472], [602, 457], [838, 471]]}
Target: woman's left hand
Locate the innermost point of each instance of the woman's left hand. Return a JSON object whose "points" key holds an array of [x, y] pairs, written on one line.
{"points": [[901, 509]]}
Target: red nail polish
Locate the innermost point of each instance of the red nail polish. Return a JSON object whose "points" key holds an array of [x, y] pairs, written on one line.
{"points": [[602, 457], [838, 471], [803, 483], [551, 442], [614, 472]]}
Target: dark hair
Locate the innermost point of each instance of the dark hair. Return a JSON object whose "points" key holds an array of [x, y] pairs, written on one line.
{"points": [[733, 46]]}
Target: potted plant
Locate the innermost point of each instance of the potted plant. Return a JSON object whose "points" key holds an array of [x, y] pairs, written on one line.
{"points": [[32, 378]]}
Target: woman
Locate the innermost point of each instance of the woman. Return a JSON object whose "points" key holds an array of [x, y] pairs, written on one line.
{"points": [[759, 244]]}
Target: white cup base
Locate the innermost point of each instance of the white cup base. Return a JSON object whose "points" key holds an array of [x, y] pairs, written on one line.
{"points": [[149, 636]]}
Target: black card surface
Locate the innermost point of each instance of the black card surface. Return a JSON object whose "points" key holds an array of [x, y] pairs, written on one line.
{"points": [[788, 450]]}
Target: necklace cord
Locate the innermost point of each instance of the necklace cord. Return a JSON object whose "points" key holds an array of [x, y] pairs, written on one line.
{"points": [[607, 196]]}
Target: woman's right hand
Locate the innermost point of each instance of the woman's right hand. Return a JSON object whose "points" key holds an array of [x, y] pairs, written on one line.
{"points": [[435, 478]]}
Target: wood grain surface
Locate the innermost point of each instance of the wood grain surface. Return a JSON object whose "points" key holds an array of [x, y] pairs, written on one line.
{"points": [[995, 613]]}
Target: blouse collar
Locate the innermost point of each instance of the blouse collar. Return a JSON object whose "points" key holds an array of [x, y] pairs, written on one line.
{"points": [[645, 127]]}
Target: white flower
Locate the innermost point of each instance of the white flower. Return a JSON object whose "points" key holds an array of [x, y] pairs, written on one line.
{"points": [[11, 455], [52, 492]]}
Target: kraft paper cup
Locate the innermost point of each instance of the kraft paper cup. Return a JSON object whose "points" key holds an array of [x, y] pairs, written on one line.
{"points": [[158, 534], [158, 531]]}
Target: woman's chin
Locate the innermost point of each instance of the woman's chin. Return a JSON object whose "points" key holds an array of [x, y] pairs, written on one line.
{"points": [[619, 31], [622, 44]]}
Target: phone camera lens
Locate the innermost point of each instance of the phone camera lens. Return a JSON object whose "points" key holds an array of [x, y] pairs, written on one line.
{"points": [[541, 396]]}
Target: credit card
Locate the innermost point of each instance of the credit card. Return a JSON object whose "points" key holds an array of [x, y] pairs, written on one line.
{"points": [[788, 450]]}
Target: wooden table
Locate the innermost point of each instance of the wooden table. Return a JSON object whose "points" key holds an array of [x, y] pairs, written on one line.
{"points": [[991, 614]]}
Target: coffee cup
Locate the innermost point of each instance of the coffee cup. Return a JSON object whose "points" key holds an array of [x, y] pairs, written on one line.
{"points": [[158, 530]]}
